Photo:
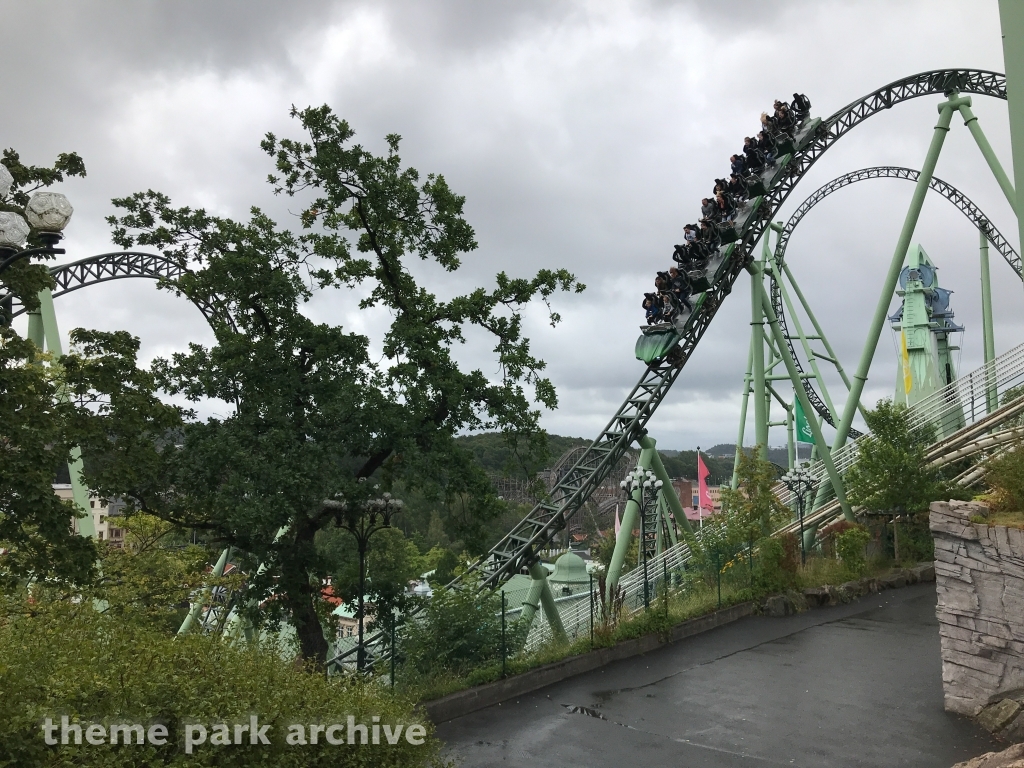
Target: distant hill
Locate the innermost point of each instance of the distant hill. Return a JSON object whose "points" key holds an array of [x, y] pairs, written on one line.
{"points": [[494, 456], [778, 455]]}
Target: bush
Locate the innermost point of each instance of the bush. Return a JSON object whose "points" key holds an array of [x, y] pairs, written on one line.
{"points": [[1006, 476], [776, 567], [457, 630], [850, 545], [61, 658]]}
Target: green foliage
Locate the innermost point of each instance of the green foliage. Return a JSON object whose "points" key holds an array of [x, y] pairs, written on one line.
{"points": [[314, 413], [850, 545], [24, 279], [510, 455], [445, 568], [1005, 475], [890, 474], [776, 566], [64, 658], [457, 631], [391, 562], [749, 514], [36, 435]]}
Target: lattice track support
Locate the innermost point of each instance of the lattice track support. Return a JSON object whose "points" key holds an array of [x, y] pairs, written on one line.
{"points": [[44, 333]]}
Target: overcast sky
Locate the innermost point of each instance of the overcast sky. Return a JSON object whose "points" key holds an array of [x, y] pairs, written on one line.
{"points": [[583, 135]]}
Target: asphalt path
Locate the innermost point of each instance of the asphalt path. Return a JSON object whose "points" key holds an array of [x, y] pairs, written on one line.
{"points": [[851, 685]]}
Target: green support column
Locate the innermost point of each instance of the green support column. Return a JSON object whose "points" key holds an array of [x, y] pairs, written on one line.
{"points": [[790, 443], [988, 337], [819, 439], [757, 352], [1011, 19], [44, 333], [674, 505], [990, 156], [540, 595], [197, 607], [895, 266], [743, 415], [629, 520]]}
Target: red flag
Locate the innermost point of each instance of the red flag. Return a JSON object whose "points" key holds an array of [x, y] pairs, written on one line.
{"points": [[703, 497]]}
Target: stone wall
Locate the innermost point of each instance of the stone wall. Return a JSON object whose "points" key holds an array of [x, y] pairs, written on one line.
{"points": [[979, 578]]}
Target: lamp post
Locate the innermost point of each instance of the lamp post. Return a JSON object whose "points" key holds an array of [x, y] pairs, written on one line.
{"points": [[48, 213], [800, 482], [649, 486], [362, 521]]}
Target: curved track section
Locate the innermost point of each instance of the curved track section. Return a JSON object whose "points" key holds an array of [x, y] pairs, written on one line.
{"points": [[973, 213], [121, 265], [517, 549]]}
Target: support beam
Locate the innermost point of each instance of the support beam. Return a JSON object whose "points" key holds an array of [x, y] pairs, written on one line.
{"points": [[988, 337], [743, 415], [540, 595], [44, 333], [629, 520], [819, 439], [197, 607], [1011, 19], [667, 490], [757, 350], [892, 277], [989, 154]]}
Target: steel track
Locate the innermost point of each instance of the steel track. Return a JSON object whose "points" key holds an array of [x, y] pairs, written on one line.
{"points": [[121, 265], [973, 213], [517, 548]]}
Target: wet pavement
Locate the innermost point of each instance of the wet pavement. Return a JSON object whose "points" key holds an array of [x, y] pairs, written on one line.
{"points": [[852, 685]]}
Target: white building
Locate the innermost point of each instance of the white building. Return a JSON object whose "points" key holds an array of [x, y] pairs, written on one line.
{"points": [[105, 516]]}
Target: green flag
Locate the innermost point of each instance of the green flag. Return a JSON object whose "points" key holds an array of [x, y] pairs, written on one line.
{"points": [[803, 429]]}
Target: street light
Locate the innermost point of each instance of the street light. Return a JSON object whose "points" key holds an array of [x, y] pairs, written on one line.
{"points": [[362, 521], [47, 212], [800, 482], [649, 486]]}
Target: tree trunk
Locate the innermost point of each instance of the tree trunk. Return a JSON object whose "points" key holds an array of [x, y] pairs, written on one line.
{"points": [[300, 597]]}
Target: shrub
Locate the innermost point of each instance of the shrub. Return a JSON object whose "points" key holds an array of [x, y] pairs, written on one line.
{"points": [[850, 546], [458, 629], [776, 568], [1006, 476], [62, 658]]}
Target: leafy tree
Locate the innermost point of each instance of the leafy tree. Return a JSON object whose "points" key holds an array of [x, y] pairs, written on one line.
{"points": [[890, 474], [1005, 475], [753, 510], [391, 562], [315, 410]]}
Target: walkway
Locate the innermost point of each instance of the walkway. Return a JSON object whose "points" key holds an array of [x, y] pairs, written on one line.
{"points": [[854, 685]]}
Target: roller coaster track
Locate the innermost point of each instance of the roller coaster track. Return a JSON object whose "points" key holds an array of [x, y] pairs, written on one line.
{"points": [[973, 213], [517, 549], [121, 265]]}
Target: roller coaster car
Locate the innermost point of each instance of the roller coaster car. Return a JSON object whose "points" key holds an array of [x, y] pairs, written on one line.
{"points": [[745, 215], [804, 133], [656, 341]]}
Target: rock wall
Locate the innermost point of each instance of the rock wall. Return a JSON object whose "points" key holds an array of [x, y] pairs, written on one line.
{"points": [[979, 578]]}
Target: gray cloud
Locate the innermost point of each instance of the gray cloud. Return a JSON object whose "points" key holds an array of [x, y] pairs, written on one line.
{"points": [[583, 134]]}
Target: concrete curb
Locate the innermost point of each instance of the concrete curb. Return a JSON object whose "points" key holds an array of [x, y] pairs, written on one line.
{"points": [[463, 702]]}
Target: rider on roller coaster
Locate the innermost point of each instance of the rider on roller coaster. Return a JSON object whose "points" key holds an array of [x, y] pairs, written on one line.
{"points": [[719, 211]]}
